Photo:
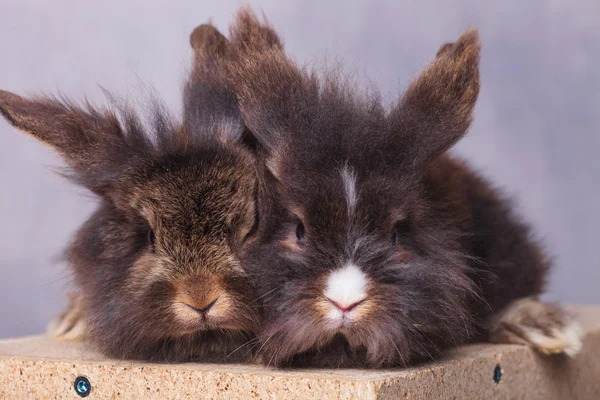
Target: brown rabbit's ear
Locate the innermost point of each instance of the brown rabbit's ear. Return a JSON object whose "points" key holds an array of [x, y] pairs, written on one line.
{"points": [[91, 141], [436, 109], [445, 48], [210, 105], [206, 40]]}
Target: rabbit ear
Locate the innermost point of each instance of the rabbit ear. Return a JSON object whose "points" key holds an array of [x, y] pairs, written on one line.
{"points": [[207, 41], [90, 140], [445, 48], [436, 109], [251, 35], [210, 105], [276, 97]]}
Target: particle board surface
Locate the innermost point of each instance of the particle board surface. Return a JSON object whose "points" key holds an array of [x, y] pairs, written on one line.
{"points": [[38, 368]]}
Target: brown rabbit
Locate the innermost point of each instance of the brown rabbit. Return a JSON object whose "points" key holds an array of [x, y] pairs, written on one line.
{"points": [[375, 247], [157, 266]]}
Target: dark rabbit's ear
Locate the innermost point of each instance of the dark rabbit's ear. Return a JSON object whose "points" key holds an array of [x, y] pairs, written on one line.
{"points": [[436, 109], [210, 105], [276, 97], [271, 89], [248, 34], [90, 140]]}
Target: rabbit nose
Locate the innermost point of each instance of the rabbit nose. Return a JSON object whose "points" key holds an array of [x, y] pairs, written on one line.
{"points": [[344, 307], [202, 308], [200, 294], [346, 287]]}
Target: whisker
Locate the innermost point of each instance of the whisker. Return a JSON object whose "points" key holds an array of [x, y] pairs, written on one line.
{"points": [[72, 274], [269, 292], [243, 345]]}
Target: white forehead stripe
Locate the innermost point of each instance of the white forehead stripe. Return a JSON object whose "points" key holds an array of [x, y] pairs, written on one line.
{"points": [[349, 180], [346, 286]]}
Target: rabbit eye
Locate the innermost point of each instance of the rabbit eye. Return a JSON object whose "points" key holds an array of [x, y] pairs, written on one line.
{"points": [[400, 232], [151, 237], [395, 237], [295, 235], [300, 233]]}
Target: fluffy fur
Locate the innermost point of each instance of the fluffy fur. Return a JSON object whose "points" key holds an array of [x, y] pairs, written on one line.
{"points": [[345, 182], [157, 264]]}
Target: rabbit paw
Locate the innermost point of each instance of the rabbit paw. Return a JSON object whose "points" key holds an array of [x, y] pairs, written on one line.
{"points": [[545, 327], [70, 325]]}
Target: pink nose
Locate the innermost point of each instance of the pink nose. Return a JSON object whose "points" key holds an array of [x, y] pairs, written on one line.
{"points": [[344, 307]]}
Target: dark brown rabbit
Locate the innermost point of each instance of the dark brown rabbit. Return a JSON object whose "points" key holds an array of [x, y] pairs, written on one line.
{"points": [[156, 265], [375, 248]]}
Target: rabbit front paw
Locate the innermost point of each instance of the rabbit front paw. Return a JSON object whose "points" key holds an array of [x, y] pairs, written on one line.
{"points": [[546, 327], [70, 325]]}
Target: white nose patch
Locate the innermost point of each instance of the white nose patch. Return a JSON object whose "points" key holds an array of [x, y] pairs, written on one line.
{"points": [[346, 286]]}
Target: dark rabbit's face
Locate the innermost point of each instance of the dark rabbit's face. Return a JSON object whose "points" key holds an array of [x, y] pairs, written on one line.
{"points": [[157, 264], [352, 264], [349, 257]]}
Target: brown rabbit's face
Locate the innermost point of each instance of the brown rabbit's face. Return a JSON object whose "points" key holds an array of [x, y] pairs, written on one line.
{"points": [[159, 264], [197, 212]]}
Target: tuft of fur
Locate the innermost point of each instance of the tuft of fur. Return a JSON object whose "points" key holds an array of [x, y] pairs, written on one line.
{"points": [[157, 265], [439, 248]]}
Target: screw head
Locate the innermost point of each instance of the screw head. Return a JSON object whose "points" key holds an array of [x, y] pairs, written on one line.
{"points": [[497, 374], [82, 386]]}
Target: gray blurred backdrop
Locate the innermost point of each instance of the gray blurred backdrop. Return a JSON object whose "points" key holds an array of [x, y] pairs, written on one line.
{"points": [[536, 131]]}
